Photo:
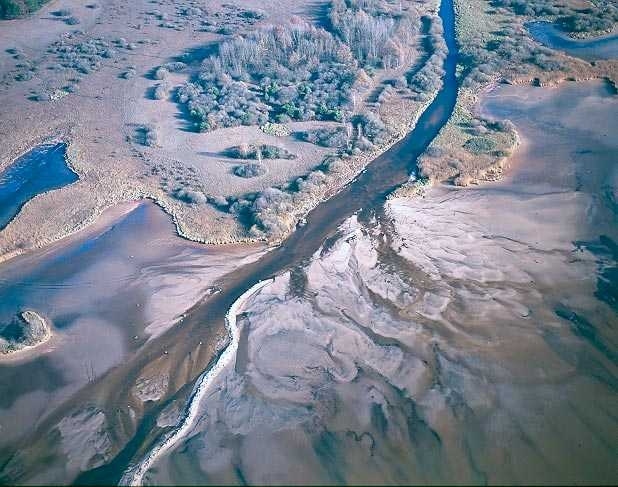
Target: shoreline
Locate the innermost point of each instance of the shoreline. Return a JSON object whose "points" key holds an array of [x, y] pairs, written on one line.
{"points": [[135, 475], [28, 316], [180, 226]]}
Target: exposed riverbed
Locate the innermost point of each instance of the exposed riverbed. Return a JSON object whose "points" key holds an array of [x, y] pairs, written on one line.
{"points": [[404, 377], [465, 337], [185, 351], [107, 291]]}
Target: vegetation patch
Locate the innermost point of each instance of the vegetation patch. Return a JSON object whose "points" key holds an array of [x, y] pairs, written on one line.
{"points": [[597, 16], [276, 129], [190, 196], [147, 135], [250, 170], [85, 55], [258, 152], [11, 9], [480, 145], [335, 137], [275, 74]]}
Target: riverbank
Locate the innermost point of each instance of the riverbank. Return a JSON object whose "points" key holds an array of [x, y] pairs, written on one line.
{"points": [[471, 149], [410, 345], [183, 353], [113, 164]]}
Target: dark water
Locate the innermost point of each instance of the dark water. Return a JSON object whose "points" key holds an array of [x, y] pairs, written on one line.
{"points": [[42, 169], [589, 49], [367, 191]]}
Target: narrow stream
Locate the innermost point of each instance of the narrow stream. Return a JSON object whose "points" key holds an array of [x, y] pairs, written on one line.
{"points": [[368, 191]]}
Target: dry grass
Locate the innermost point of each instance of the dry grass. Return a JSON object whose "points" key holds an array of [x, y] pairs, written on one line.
{"points": [[476, 25]]}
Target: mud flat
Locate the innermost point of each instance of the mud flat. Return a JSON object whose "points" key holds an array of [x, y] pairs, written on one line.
{"points": [[135, 476], [109, 291], [467, 336]]}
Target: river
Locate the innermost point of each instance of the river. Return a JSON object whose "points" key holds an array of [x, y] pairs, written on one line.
{"points": [[368, 191], [181, 349]]}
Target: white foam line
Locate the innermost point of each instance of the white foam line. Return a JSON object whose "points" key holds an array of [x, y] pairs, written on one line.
{"points": [[135, 474]]}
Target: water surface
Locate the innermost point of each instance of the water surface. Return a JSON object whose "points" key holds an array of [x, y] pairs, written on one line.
{"points": [[42, 169], [184, 349], [105, 293], [467, 339], [605, 47]]}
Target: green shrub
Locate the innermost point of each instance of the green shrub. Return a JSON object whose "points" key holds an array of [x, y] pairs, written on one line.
{"points": [[480, 145], [10, 9]]}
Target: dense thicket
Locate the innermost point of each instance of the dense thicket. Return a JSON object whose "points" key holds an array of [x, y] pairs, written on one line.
{"points": [[368, 30], [298, 71], [10, 9], [511, 51], [277, 73]]}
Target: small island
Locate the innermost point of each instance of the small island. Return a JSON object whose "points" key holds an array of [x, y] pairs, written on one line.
{"points": [[27, 330]]}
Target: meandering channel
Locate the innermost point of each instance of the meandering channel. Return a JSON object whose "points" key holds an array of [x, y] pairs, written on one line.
{"points": [[604, 47], [367, 191]]}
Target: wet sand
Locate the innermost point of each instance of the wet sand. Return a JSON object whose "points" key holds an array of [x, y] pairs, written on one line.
{"points": [[107, 291], [468, 336]]}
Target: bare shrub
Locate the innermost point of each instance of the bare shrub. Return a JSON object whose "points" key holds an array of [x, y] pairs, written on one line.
{"points": [[147, 135], [327, 137], [263, 151], [250, 170], [190, 196], [160, 92]]}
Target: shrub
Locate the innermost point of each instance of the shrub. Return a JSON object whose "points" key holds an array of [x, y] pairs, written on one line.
{"points": [[160, 73], [174, 67], [480, 145], [263, 151], [128, 74], [147, 135], [327, 137], [276, 129], [250, 170], [372, 127], [190, 196], [160, 92]]}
